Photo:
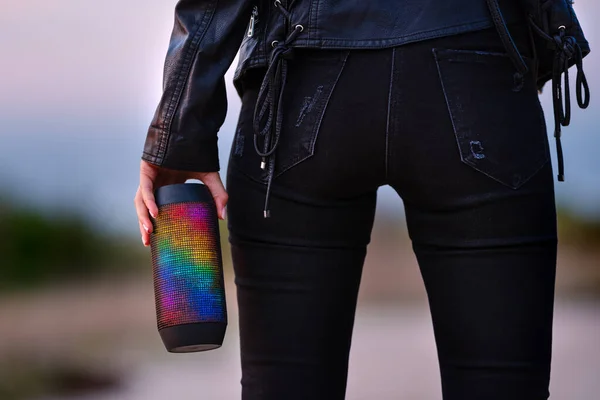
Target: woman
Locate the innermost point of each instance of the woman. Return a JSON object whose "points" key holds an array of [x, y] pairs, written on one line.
{"points": [[436, 99]]}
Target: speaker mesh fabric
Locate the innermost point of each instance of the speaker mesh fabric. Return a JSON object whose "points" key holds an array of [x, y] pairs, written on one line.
{"points": [[187, 265]]}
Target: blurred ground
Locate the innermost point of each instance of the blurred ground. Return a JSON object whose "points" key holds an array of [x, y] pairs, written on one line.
{"points": [[105, 333], [393, 357]]}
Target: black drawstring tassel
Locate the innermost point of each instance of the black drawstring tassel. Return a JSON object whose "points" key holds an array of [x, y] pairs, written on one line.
{"points": [[566, 49], [267, 211], [270, 98], [561, 165]]}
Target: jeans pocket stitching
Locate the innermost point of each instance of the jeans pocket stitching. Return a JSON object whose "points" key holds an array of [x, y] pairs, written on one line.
{"points": [[533, 166], [315, 129]]}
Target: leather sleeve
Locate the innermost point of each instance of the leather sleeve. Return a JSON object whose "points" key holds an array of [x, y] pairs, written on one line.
{"points": [[205, 39]]}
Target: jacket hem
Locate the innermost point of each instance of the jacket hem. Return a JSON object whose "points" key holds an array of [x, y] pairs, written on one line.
{"points": [[333, 43]]}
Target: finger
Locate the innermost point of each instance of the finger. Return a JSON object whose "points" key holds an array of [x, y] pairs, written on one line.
{"points": [[212, 180], [145, 235], [142, 213], [147, 187]]}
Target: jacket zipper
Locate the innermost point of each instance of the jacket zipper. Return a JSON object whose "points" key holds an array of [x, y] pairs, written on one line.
{"points": [[253, 21]]}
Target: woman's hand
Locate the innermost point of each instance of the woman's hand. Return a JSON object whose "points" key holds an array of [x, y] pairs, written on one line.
{"points": [[152, 177]]}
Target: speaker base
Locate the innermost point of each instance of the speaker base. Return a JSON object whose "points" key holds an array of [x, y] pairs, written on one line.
{"points": [[190, 338]]}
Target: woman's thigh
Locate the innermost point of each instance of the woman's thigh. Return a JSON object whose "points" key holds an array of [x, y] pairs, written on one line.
{"points": [[298, 272], [297, 277], [469, 155]]}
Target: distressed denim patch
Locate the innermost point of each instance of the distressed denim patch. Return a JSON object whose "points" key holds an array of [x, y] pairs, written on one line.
{"points": [[238, 145], [311, 78], [493, 134]]}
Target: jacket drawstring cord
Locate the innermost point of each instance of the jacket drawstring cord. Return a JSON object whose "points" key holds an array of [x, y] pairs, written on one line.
{"points": [[566, 48], [509, 44], [270, 99]]}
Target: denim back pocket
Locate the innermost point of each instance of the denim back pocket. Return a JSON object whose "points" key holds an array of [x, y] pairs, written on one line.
{"points": [[311, 78], [498, 122]]}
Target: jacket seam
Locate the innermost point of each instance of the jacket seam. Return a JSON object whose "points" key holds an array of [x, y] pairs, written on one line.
{"points": [[182, 79], [389, 111], [266, 45], [316, 19], [310, 19], [471, 26], [255, 60], [250, 62]]}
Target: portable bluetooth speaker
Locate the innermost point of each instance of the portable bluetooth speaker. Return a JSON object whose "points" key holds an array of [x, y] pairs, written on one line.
{"points": [[188, 269]]}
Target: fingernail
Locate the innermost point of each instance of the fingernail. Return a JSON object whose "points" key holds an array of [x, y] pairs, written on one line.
{"points": [[224, 213], [145, 227], [143, 242], [152, 215]]}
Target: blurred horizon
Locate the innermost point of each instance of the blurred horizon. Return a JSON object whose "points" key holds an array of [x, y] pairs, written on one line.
{"points": [[80, 85]]}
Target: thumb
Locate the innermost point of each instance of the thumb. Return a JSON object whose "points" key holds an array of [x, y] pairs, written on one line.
{"points": [[213, 182]]}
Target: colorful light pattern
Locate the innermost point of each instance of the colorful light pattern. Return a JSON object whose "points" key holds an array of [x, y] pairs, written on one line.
{"points": [[187, 265]]}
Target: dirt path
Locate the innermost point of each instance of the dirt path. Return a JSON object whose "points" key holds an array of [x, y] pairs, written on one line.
{"points": [[393, 357], [110, 325]]}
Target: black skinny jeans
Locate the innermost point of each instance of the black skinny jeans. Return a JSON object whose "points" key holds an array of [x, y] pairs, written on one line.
{"points": [[465, 146]]}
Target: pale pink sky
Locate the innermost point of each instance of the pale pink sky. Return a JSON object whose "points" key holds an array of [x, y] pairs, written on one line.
{"points": [[80, 79], [74, 53]]}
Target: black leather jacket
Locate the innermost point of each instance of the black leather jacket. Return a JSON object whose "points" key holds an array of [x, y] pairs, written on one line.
{"points": [[208, 34]]}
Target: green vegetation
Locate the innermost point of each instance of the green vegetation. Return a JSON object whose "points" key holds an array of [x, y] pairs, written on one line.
{"points": [[577, 231], [35, 248], [30, 379]]}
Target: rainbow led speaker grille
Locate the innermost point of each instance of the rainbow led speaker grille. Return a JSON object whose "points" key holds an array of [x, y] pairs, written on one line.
{"points": [[188, 270]]}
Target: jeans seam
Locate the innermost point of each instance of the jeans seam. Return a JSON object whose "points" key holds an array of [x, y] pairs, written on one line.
{"points": [[388, 119], [441, 79]]}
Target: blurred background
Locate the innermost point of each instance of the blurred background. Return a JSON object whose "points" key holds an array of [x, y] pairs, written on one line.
{"points": [[79, 83]]}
